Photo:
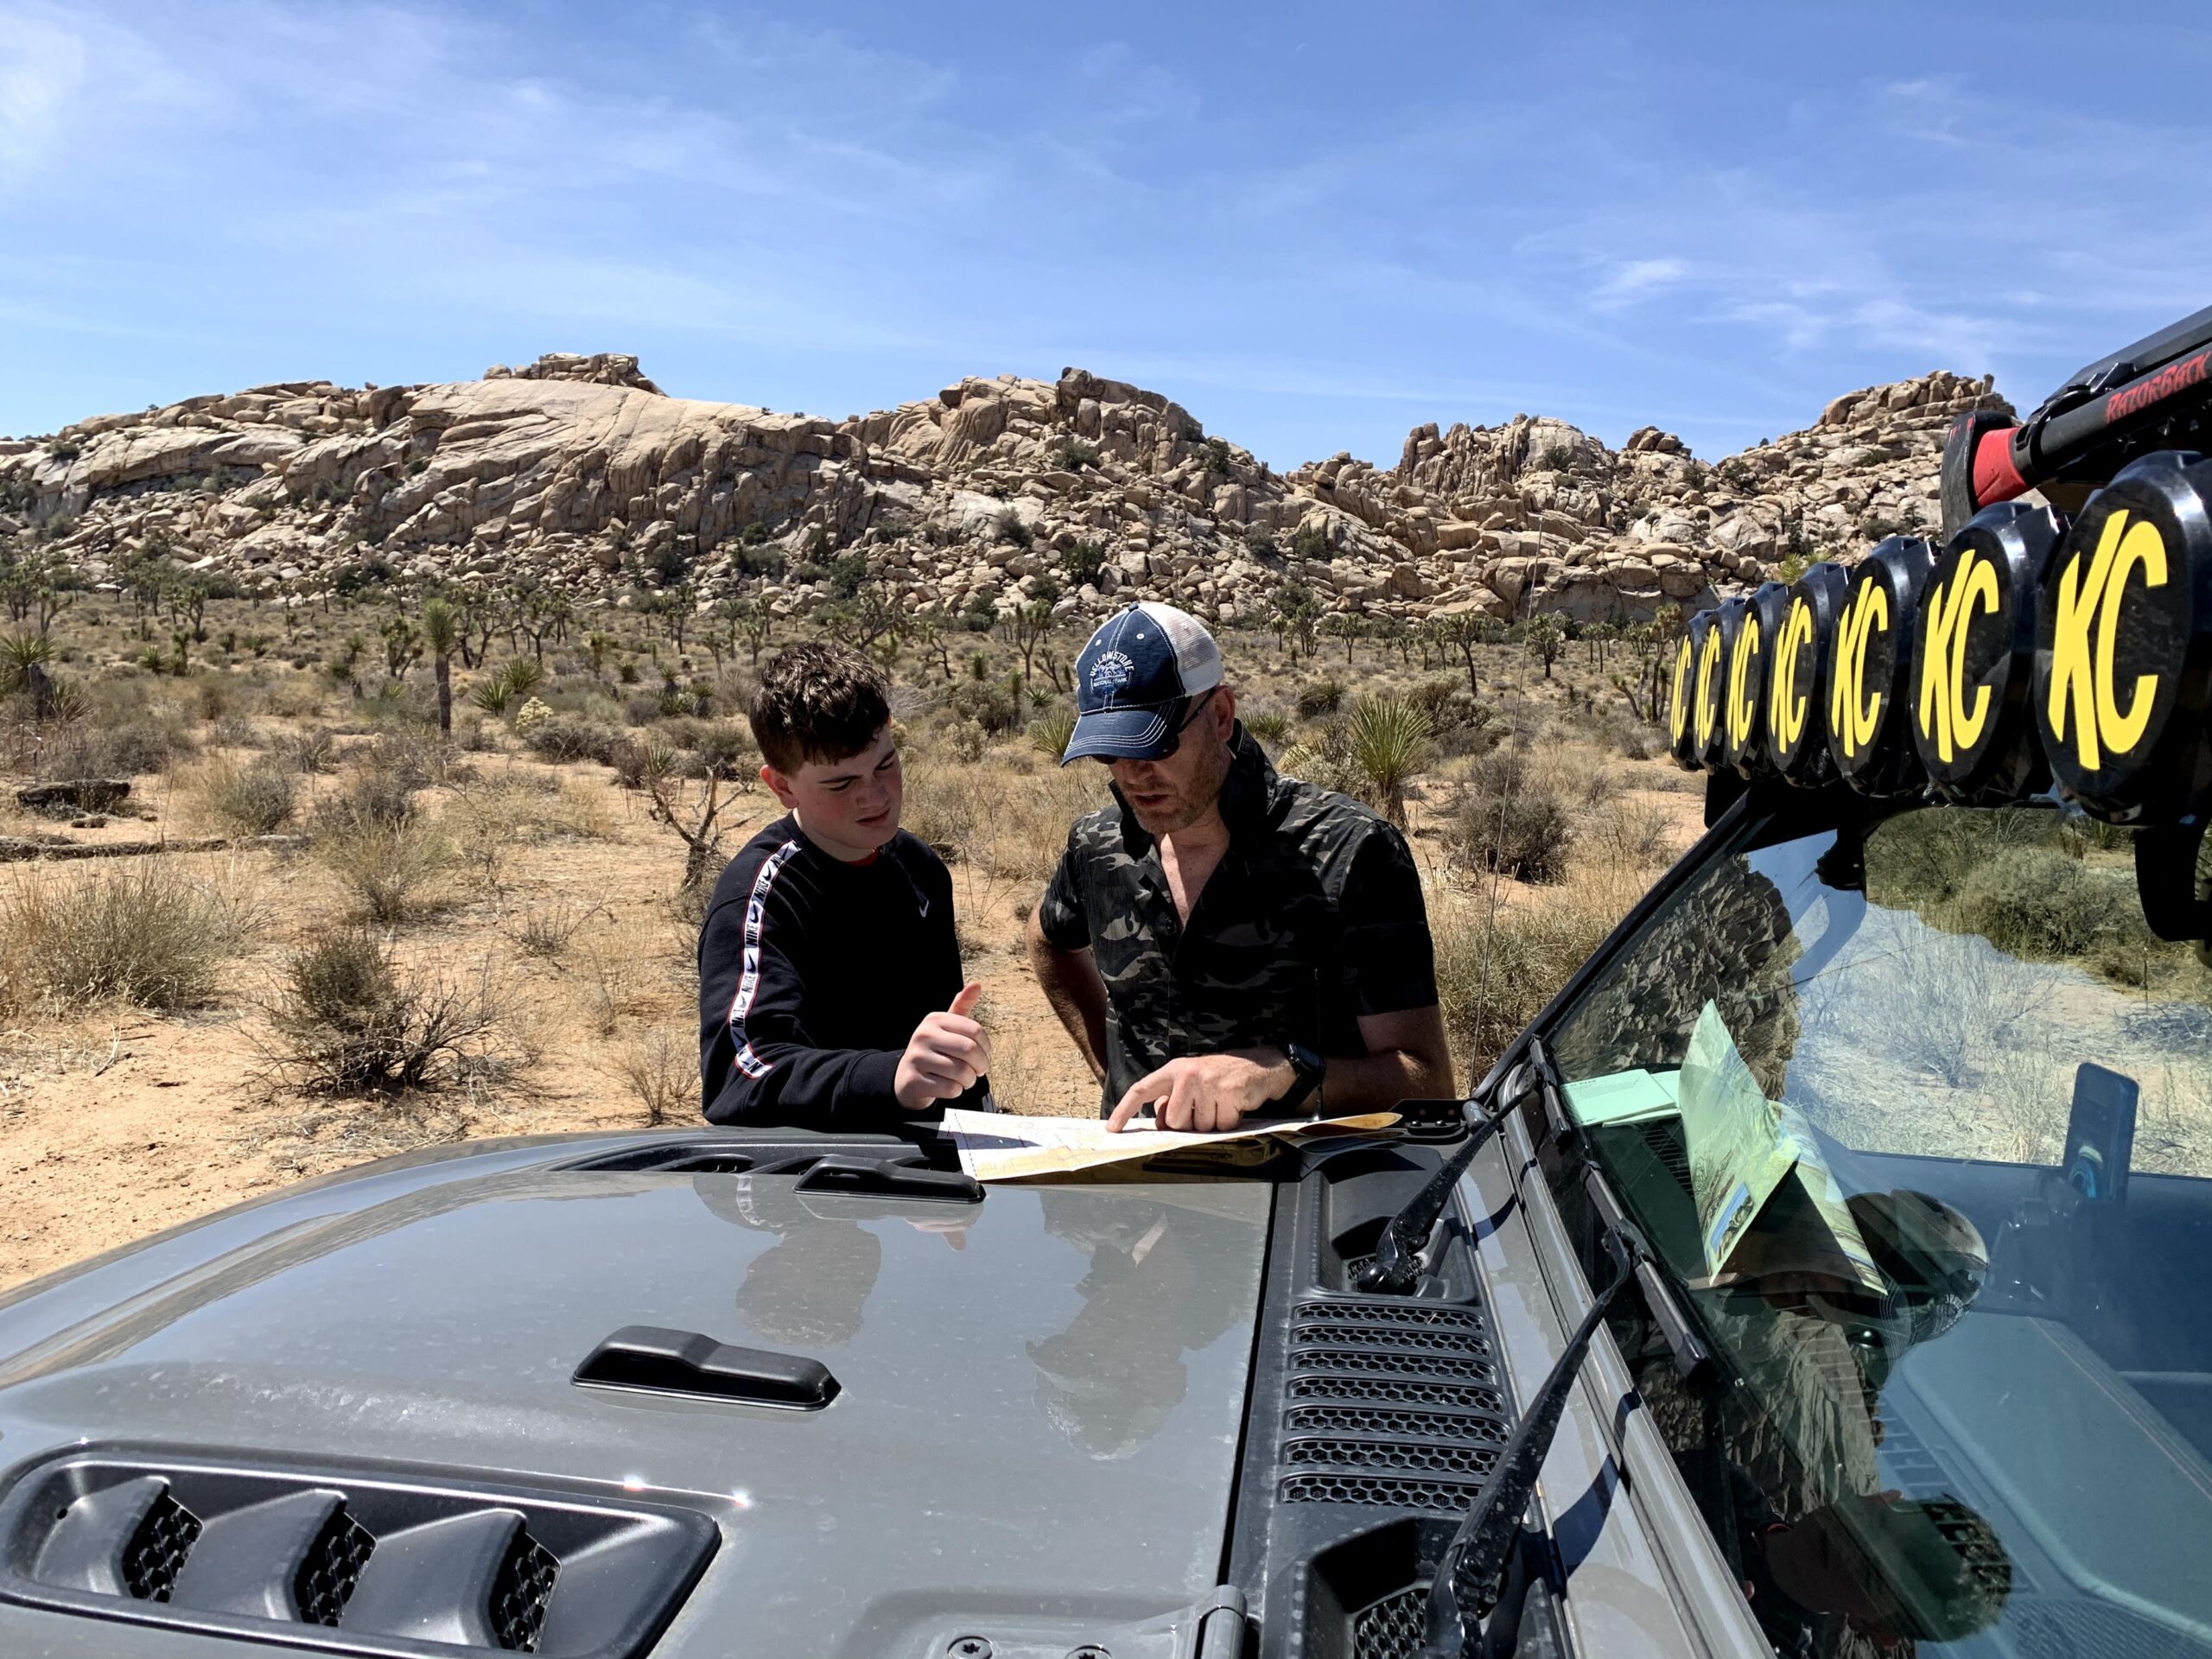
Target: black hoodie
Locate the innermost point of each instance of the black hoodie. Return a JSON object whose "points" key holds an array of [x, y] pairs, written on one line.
{"points": [[813, 974]]}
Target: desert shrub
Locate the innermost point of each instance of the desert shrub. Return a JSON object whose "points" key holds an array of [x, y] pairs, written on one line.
{"points": [[1270, 726], [368, 795], [144, 931], [2035, 901], [1388, 737], [390, 867], [347, 1021], [990, 703], [1322, 758], [1509, 821], [641, 707], [969, 741], [663, 1074], [1458, 723], [132, 747], [564, 738], [252, 800], [725, 749], [1317, 698], [545, 934], [1051, 731], [1073, 454], [1629, 835]]}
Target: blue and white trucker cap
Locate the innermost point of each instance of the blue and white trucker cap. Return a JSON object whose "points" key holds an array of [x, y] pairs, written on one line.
{"points": [[1134, 678]]}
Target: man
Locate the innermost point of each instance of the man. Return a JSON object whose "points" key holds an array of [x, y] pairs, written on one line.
{"points": [[1221, 940], [831, 994]]}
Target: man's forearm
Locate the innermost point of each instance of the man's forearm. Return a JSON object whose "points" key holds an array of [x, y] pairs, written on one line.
{"points": [[1376, 1083], [1070, 984]]}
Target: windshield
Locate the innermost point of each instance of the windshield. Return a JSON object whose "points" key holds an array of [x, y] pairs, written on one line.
{"points": [[1919, 1116]]}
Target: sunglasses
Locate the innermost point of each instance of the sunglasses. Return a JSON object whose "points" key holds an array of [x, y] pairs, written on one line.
{"points": [[1175, 738]]}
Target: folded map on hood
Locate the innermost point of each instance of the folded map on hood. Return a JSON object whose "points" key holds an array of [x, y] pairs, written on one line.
{"points": [[1001, 1147]]}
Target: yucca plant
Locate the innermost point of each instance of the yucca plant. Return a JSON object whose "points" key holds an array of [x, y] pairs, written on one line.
{"points": [[1052, 730], [1388, 740]]}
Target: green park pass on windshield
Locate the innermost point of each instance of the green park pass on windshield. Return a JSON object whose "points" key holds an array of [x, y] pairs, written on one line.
{"points": [[1742, 1148]]}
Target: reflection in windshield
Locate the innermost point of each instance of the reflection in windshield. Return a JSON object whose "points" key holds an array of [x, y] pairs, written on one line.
{"points": [[2005, 1450]]}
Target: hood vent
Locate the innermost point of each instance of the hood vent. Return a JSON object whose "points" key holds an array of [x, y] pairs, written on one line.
{"points": [[519, 1593], [325, 1581], [346, 1562], [157, 1548]]}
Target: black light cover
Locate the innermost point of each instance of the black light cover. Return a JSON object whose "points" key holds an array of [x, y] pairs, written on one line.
{"points": [[2124, 644], [1680, 686], [1974, 677], [1797, 724], [1869, 668], [1709, 679], [1749, 648]]}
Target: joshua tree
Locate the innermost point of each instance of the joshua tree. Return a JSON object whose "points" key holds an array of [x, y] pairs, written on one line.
{"points": [[1546, 638], [441, 633]]}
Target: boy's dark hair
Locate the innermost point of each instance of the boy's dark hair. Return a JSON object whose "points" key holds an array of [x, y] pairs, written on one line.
{"points": [[818, 701]]}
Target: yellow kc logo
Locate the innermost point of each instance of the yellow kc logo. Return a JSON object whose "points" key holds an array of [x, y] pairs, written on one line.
{"points": [[1854, 708], [2085, 630], [1791, 706], [1946, 718], [1678, 708], [1709, 693], [1743, 682]]}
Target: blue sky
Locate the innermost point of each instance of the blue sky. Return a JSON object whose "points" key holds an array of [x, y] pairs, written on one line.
{"points": [[1313, 227]]}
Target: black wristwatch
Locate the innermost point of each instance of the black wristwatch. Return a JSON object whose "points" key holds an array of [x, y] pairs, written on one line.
{"points": [[1308, 1067]]}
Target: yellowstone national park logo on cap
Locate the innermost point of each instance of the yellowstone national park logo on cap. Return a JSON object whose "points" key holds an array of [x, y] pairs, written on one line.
{"points": [[1135, 677]]}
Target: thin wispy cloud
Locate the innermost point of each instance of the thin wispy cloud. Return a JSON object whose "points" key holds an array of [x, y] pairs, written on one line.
{"points": [[1438, 216]]}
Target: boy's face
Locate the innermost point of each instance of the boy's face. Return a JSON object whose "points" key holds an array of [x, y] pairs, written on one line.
{"points": [[849, 808]]}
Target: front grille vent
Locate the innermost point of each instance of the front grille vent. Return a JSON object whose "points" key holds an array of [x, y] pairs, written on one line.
{"points": [[1382, 1420], [1349, 1486], [1445, 1459], [1398, 1390], [332, 1567], [157, 1549], [1393, 1627], [520, 1591], [1386, 1313], [1423, 1341], [1352, 1359]]}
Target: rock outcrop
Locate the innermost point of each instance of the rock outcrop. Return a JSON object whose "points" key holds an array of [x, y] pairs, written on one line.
{"points": [[580, 471]]}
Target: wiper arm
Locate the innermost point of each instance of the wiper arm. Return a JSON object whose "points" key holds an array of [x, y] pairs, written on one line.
{"points": [[1472, 1560], [1395, 1267]]}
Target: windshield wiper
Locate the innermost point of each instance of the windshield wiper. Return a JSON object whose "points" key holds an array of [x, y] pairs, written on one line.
{"points": [[1395, 1267], [1472, 1560]]}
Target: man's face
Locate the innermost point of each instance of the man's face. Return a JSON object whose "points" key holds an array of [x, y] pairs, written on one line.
{"points": [[1175, 793], [849, 808]]}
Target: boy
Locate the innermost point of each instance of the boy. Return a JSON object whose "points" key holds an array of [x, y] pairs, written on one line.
{"points": [[829, 984]]}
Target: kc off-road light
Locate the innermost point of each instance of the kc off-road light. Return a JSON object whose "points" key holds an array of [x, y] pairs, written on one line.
{"points": [[1973, 659], [2123, 674], [1748, 646], [1870, 669], [1711, 685], [1682, 700], [1797, 724]]}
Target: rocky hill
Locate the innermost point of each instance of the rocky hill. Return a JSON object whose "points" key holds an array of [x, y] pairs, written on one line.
{"points": [[581, 471]]}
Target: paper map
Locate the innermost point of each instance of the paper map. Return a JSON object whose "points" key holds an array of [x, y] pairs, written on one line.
{"points": [[1002, 1147], [1742, 1148]]}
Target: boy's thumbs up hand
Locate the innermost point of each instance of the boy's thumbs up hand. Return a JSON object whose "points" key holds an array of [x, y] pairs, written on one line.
{"points": [[946, 1054]]}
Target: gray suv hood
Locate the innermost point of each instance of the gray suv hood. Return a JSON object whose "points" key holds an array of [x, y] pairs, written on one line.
{"points": [[1040, 1395]]}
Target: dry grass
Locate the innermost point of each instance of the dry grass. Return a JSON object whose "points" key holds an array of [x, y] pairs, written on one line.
{"points": [[394, 872], [147, 932]]}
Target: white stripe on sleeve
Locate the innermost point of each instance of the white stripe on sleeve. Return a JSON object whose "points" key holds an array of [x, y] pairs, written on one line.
{"points": [[748, 981]]}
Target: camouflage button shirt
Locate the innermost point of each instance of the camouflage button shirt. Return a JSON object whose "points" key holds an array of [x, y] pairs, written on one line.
{"points": [[1313, 917]]}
